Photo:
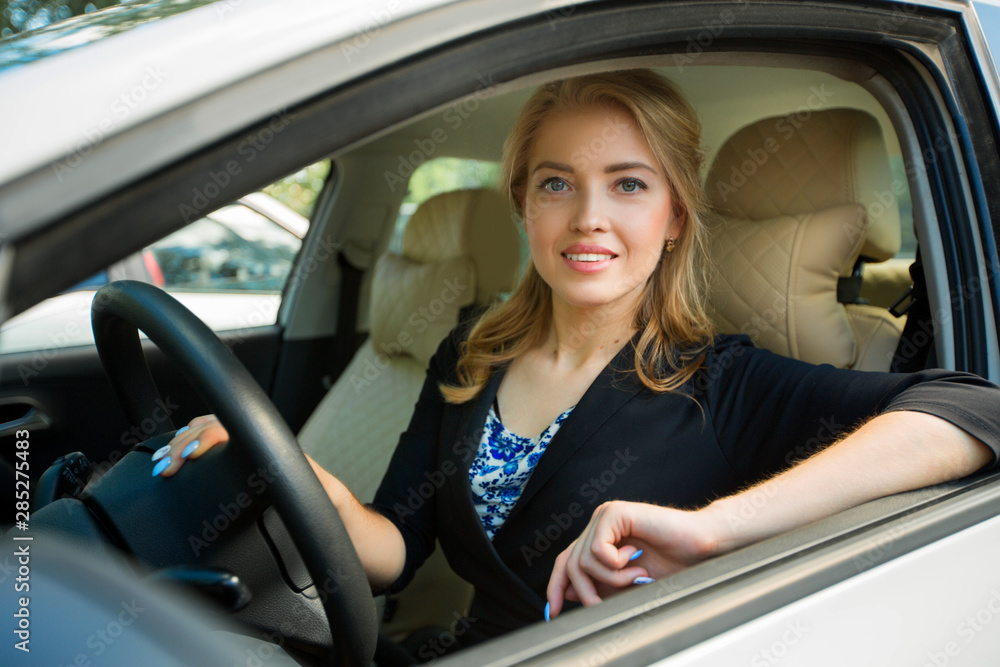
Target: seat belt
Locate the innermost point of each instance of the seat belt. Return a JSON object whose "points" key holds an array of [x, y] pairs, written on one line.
{"points": [[918, 333], [347, 313]]}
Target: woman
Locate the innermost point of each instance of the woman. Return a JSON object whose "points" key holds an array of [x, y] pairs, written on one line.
{"points": [[601, 379]]}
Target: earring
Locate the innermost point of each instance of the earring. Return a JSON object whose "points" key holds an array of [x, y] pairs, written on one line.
{"points": [[671, 244]]}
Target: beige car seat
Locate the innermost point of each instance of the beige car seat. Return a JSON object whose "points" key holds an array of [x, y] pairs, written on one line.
{"points": [[460, 249], [800, 199]]}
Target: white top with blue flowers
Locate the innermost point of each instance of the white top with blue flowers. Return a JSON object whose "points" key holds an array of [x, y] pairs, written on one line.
{"points": [[502, 467]]}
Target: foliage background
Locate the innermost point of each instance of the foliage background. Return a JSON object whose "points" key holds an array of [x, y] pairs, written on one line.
{"points": [[17, 16]]}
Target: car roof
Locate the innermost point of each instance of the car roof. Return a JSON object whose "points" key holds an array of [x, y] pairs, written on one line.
{"points": [[144, 98], [155, 76]]}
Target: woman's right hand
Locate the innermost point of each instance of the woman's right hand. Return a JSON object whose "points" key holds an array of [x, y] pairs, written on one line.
{"points": [[190, 442]]}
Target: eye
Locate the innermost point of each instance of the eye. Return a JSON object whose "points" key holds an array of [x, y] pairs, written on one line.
{"points": [[554, 184], [631, 185]]}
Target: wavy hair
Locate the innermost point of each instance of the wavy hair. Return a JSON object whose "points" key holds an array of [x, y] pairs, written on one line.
{"points": [[673, 326]]}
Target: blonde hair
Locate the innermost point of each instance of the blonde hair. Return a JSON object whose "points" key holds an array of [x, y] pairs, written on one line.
{"points": [[671, 320]]}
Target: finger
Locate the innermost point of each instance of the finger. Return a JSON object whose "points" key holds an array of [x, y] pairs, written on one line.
{"points": [[558, 582], [202, 419], [581, 582], [190, 442], [599, 573], [609, 529]]}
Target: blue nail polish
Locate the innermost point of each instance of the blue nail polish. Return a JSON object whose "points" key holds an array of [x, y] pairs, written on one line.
{"points": [[639, 581], [548, 612], [161, 466], [635, 555], [181, 430], [160, 453], [190, 448]]}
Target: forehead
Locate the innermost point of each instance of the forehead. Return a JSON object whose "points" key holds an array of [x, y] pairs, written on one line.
{"points": [[591, 136]]}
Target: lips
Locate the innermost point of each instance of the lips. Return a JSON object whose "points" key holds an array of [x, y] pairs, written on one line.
{"points": [[586, 258]]}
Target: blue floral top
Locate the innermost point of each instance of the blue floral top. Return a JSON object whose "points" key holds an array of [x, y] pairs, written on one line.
{"points": [[502, 467]]}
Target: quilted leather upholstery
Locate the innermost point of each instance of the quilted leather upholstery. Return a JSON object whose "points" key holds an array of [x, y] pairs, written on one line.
{"points": [[418, 304], [787, 165], [492, 244], [774, 280], [459, 248], [802, 169]]}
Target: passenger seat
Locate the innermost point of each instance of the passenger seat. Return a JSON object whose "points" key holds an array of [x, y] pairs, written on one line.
{"points": [[804, 202]]}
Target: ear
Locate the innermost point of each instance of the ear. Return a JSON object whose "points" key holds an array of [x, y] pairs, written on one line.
{"points": [[677, 221]]}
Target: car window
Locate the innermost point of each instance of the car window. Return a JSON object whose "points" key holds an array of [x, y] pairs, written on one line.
{"points": [[229, 268], [435, 177], [901, 192]]}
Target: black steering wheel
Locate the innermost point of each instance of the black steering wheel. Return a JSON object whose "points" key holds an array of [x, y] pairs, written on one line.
{"points": [[254, 424]]}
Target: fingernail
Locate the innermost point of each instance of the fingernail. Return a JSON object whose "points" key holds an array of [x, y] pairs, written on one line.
{"points": [[548, 612], [639, 581], [190, 448], [161, 466], [635, 555], [160, 453], [181, 430]]}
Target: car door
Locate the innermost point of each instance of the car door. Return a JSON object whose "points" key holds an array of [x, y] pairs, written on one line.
{"points": [[230, 267]]}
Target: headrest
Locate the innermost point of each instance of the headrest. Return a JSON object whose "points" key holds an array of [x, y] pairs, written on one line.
{"points": [[459, 248], [776, 281], [806, 162]]}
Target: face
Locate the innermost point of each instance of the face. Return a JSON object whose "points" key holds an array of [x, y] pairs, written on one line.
{"points": [[597, 208]]}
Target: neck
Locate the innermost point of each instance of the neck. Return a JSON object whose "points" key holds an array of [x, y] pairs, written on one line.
{"points": [[581, 336]]}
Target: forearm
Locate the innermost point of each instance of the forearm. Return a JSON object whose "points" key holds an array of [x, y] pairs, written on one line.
{"points": [[895, 452], [378, 542]]}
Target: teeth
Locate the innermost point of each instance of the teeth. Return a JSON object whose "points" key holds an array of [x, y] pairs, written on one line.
{"points": [[588, 257]]}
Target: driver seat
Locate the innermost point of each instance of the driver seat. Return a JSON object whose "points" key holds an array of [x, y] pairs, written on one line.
{"points": [[460, 251]]}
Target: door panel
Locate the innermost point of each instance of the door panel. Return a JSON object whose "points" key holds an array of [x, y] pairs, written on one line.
{"points": [[76, 409]]}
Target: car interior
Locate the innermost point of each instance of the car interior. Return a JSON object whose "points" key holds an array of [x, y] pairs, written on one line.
{"points": [[811, 170], [821, 208]]}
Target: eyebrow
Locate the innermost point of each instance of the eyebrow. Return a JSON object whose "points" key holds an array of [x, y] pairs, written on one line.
{"points": [[610, 169]]}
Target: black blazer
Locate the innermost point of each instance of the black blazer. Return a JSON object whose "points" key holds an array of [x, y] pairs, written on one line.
{"points": [[746, 415]]}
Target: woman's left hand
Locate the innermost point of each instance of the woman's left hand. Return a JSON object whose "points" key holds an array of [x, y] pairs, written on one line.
{"points": [[598, 563]]}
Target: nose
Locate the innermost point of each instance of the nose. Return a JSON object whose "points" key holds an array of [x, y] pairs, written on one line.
{"points": [[591, 214]]}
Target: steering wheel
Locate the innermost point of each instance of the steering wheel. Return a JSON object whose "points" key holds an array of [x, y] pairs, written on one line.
{"points": [[119, 310]]}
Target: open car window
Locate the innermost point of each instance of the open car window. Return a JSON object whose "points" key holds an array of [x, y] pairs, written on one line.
{"points": [[230, 267]]}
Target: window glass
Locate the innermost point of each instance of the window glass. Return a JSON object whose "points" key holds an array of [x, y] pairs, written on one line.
{"points": [[437, 176], [908, 247], [229, 268], [989, 19]]}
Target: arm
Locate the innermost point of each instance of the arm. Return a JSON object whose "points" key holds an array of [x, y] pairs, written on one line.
{"points": [[895, 452]]}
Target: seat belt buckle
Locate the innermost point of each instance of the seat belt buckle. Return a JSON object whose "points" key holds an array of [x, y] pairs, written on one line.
{"points": [[906, 296]]}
